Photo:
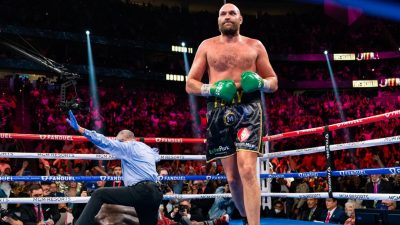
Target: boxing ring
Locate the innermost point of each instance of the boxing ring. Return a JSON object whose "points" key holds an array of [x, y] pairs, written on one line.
{"points": [[327, 148]]}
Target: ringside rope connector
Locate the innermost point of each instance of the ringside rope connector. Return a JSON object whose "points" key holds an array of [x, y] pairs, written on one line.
{"points": [[329, 161]]}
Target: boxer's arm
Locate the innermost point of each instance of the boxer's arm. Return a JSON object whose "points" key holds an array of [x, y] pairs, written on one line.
{"points": [[199, 65], [264, 68]]}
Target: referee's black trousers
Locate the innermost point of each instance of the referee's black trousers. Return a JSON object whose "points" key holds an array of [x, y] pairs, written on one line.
{"points": [[145, 196]]}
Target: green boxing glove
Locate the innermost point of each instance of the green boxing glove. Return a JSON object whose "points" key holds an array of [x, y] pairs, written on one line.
{"points": [[224, 89], [251, 82]]}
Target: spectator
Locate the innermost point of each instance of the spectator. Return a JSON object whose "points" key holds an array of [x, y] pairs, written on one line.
{"points": [[54, 191], [389, 204], [185, 209], [278, 210], [349, 208], [37, 214], [313, 211], [333, 213], [377, 185], [117, 171], [221, 205]]}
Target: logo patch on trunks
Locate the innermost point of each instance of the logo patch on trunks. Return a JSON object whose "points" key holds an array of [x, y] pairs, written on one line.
{"points": [[243, 134], [229, 118]]}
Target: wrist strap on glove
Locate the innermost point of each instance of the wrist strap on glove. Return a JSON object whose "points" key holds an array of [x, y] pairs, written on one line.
{"points": [[267, 86], [205, 90]]}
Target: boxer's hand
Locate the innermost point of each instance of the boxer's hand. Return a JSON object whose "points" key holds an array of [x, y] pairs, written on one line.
{"points": [[110, 214], [72, 121], [225, 89], [251, 82]]}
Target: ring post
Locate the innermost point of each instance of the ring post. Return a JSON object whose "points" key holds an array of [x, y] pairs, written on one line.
{"points": [[267, 200]]}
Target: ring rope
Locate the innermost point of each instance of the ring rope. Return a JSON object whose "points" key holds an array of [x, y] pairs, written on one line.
{"points": [[336, 147], [336, 126], [340, 173], [316, 130], [361, 196], [339, 195]]}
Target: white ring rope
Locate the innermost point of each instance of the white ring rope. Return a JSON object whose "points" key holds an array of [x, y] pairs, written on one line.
{"points": [[337, 147], [339, 195]]}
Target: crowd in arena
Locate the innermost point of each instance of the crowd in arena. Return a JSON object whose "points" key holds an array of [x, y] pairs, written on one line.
{"points": [[153, 113], [310, 32], [163, 110]]}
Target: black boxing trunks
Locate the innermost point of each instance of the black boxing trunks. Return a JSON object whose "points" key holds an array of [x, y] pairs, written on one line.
{"points": [[235, 126]]}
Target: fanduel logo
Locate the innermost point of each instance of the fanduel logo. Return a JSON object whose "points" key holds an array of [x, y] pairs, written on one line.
{"points": [[393, 114], [312, 130], [394, 170], [110, 178], [6, 178], [276, 176], [162, 178], [55, 137], [5, 135], [169, 140], [390, 139], [215, 178], [6, 154], [57, 178], [353, 122], [352, 172], [308, 174]]}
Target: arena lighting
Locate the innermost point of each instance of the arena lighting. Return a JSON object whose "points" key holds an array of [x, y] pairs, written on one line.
{"points": [[176, 48], [175, 77], [344, 57], [92, 80], [367, 56], [183, 44], [192, 99], [335, 91], [87, 32]]}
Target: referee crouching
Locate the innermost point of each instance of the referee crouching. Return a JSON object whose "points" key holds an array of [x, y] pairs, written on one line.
{"points": [[138, 162]]}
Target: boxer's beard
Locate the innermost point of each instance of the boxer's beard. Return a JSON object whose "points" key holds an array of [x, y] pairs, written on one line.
{"points": [[230, 31]]}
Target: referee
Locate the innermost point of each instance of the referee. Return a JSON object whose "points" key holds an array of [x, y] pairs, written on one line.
{"points": [[138, 162]]}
